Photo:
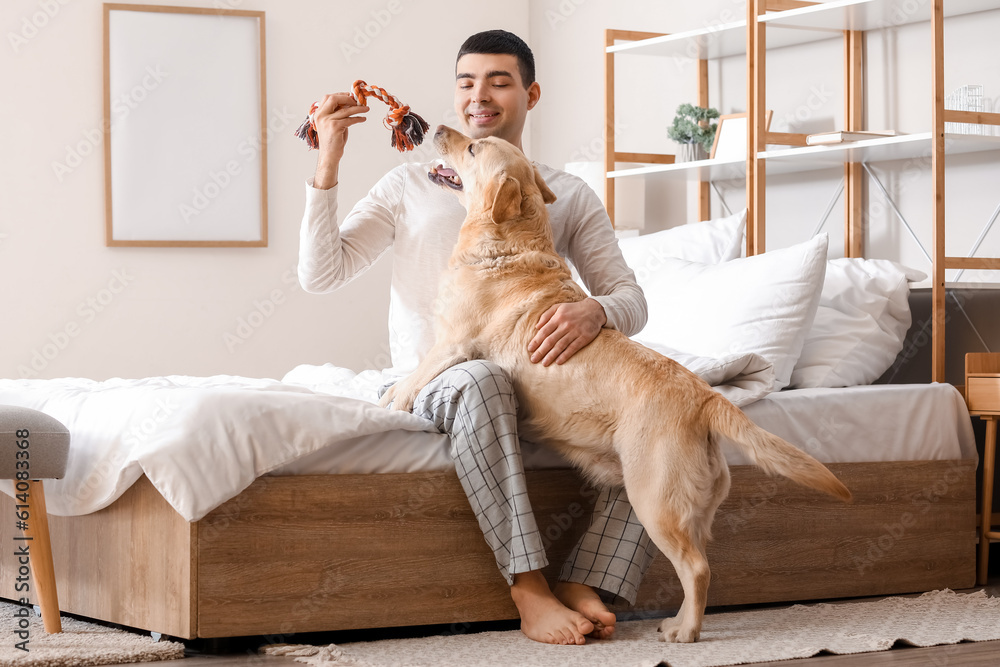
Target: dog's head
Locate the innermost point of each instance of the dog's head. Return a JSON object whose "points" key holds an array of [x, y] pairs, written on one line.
{"points": [[491, 176]]}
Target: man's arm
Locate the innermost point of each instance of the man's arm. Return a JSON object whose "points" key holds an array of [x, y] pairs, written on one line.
{"points": [[595, 253], [618, 301], [332, 255]]}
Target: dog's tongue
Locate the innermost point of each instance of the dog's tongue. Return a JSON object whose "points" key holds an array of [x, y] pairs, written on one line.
{"points": [[444, 175]]}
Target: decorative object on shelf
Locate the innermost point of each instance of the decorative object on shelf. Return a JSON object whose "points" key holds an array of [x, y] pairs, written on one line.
{"points": [[694, 132], [691, 152], [731, 137], [966, 98], [841, 136]]}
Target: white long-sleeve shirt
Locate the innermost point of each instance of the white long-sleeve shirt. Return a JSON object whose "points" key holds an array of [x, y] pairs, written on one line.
{"points": [[421, 220]]}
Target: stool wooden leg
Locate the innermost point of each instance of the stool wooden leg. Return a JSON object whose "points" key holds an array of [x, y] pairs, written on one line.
{"points": [[40, 549], [989, 462]]}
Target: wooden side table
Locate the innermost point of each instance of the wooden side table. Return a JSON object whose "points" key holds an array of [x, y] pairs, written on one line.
{"points": [[982, 393]]}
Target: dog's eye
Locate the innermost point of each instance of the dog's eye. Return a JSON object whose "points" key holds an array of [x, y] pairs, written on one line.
{"points": [[471, 152]]}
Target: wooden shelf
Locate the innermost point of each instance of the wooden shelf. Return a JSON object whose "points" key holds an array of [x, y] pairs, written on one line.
{"points": [[699, 170], [811, 158], [883, 149], [867, 14]]}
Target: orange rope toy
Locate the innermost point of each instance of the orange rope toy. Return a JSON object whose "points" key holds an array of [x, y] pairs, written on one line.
{"points": [[407, 128]]}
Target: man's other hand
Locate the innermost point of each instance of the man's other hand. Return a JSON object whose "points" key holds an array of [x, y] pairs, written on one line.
{"points": [[565, 329]]}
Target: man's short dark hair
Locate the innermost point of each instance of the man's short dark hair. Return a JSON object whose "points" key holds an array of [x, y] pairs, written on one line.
{"points": [[503, 43]]}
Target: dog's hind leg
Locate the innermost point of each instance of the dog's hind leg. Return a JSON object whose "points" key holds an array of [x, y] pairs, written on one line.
{"points": [[693, 571], [678, 516], [691, 565]]}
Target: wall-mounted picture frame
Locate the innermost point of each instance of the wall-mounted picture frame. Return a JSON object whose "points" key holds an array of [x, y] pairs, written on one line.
{"points": [[185, 136], [731, 136]]}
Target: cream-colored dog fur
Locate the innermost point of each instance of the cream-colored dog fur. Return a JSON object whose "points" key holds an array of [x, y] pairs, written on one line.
{"points": [[622, 413]]}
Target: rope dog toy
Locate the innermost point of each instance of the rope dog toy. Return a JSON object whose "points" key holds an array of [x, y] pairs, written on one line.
{"points": [[407, 128]]}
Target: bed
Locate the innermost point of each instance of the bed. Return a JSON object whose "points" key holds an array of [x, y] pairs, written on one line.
{"points": [[313, 537], [313, 552]]}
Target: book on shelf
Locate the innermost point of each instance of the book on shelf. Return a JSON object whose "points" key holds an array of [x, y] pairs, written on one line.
{"points": [[840, 136]]}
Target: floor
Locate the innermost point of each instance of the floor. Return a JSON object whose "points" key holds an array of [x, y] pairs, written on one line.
{"points": [[243, 652]]}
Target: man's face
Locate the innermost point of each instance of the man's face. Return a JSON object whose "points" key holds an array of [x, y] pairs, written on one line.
{"points": [[490, 99]]}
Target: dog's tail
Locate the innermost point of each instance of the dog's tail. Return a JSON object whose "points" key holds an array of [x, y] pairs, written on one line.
{"points": [[774, 455]]}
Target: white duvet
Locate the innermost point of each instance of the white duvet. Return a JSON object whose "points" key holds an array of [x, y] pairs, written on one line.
{"points": [[202, 440]]}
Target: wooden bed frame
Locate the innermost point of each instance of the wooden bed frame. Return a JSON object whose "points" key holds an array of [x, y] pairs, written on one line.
{"points": [[336, 552]]}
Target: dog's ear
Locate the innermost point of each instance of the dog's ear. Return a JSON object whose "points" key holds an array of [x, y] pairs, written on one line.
{"points": [[507, 200], [547, 195]]}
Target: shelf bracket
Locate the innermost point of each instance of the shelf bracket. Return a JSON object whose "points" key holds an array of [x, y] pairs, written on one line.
{"points": [[829, 208], [982, 237], [722, 200]]}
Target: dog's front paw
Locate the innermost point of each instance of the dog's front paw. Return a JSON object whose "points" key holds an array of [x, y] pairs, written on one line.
{"points": [[673, 631], [403, 403], [387, 397], [402, 397]]}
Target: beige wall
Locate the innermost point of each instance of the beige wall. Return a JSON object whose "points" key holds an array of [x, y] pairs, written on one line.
{"points": [[73, 307]]}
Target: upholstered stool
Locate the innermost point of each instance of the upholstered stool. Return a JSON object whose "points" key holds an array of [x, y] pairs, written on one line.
{"points": [[33, 447]]}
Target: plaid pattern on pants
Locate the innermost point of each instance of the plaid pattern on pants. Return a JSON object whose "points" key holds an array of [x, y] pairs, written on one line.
{"points": [[474, 403], [615, 552]]}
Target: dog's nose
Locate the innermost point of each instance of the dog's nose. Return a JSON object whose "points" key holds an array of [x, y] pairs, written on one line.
{"points": [[440, 130]]}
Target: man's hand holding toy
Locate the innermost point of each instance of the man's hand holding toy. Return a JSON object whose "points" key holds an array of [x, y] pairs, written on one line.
{"points": [[407, 128]]}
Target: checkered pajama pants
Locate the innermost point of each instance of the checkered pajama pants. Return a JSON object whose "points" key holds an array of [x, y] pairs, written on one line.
{"points": [[474, 403]]}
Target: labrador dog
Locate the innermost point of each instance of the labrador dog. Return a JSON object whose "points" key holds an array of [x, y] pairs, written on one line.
{"points": [[620, 412]]}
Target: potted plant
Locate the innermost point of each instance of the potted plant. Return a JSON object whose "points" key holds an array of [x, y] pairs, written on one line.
{"points": [[694, 132]]}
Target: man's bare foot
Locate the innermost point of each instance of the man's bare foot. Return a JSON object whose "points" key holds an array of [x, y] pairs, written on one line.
{"points": [[584, 599], [543, 617]]}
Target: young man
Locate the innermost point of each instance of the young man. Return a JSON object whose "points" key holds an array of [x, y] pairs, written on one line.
{"points": [[474, 402]]}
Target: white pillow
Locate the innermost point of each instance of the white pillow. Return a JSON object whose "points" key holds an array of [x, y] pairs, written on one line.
{"points": [[860, 326], [708, 242], [763, 304]]}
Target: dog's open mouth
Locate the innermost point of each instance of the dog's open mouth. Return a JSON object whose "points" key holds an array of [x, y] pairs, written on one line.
{"points": [[442, 174]]}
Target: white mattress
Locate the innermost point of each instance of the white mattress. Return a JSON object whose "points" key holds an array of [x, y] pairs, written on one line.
{"points": [[201, 441], [909, 422]]}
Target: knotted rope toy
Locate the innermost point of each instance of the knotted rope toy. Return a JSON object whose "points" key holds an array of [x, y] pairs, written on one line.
{"points": [[407, 128]]}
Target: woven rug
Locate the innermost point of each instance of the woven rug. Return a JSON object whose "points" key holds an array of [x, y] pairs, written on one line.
{"points": [[79, 643], [736, 638]]}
